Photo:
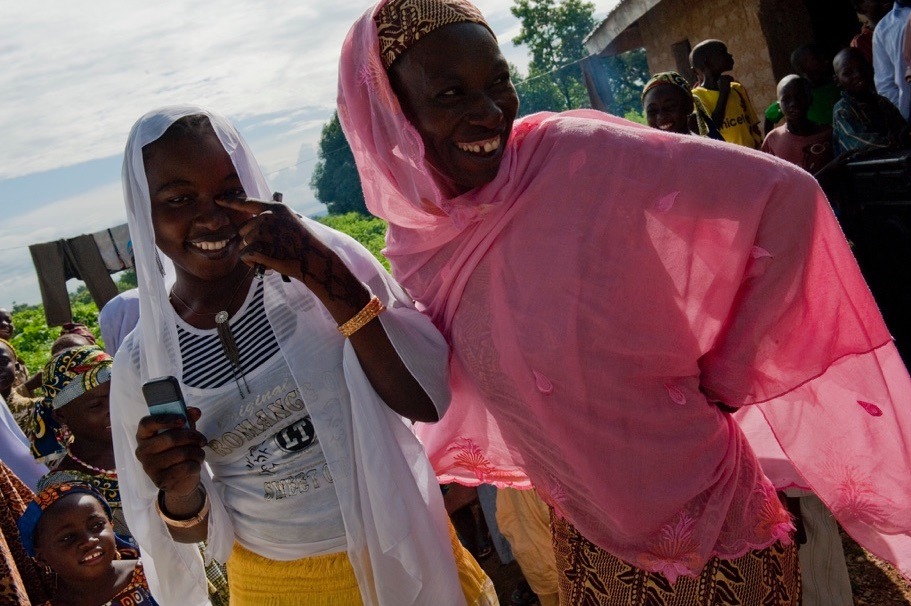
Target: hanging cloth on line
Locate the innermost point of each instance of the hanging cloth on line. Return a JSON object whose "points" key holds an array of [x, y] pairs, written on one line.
{"points": [[90, 258]]}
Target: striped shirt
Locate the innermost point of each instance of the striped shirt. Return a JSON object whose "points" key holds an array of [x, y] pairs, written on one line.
{"points": [[205, 364]]}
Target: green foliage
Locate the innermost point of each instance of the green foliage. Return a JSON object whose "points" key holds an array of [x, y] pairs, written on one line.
{"points": [[369, 231], [553, 32], [33, 338], [627, 74], [541, 93], [127, 280], [635, 115], [335, 181]]}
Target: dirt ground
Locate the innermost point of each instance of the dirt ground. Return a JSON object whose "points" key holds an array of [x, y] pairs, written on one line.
{"points": [[874, 582]]}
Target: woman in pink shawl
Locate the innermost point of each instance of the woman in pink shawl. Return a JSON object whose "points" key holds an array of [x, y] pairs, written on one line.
{"points": [[609, 293]]}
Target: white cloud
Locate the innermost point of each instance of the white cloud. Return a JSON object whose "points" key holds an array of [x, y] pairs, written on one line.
{"points": [[76, 75], [98, 209]]}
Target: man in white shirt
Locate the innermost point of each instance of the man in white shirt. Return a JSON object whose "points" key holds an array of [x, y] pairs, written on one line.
{"points": [[888, 64]]}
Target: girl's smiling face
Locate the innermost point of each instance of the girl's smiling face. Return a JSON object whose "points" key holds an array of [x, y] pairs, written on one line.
{"points": [[75, 538], [668, 108], [187, 172]]}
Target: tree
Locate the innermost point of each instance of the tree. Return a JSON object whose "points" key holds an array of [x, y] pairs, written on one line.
{"points": [[554, 33], [335, 181], [627, 74], [537, 94]]}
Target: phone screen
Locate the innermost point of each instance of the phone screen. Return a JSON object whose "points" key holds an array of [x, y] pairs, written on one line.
{"points": [[163, 396]]}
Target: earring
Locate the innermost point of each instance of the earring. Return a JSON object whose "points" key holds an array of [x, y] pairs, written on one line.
{"points": [[65, 436]]}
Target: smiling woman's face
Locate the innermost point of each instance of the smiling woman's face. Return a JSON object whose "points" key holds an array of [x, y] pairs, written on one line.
{"points": [[454, 87]]}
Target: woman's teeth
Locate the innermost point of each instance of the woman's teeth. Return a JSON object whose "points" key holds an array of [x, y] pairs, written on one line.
{"points": [[480, 147], [211, 245], [94, 555]]}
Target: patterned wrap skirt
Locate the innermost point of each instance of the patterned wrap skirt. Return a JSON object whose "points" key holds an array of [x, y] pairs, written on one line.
{"points": [[589, 576]]}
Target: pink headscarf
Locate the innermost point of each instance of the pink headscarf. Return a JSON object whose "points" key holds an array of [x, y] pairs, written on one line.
{"points": [[608, 284]]}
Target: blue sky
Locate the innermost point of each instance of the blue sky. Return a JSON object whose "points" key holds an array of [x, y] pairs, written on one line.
{"points": [[78, 74]]}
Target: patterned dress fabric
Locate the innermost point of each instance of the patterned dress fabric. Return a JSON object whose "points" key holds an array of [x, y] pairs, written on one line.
{"points": [[21, 579], [589, 576]]}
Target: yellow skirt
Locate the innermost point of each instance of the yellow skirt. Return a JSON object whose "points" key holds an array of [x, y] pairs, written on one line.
{"points": [[326, 580], [329, 580]]}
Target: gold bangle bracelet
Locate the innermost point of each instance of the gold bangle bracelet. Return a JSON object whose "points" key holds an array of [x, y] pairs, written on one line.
{"points": [[188, 523], [373, 308]]}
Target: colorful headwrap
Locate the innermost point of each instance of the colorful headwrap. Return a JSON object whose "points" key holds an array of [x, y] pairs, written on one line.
{"points": [[707, 128], [672, 78], [77, 328], [74, 372], [401, 23], [28, 523]]}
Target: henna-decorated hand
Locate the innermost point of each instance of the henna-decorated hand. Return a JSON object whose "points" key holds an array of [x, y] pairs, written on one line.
{"points": [[277, 239]]}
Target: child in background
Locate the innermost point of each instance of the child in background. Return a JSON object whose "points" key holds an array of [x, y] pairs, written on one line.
{"points": [[869, 12], [24, 384], [669, 105], [68, 528], [799, 140], [726, 100], [77, 384], [811, 62], [863, 119], [13, 375]]}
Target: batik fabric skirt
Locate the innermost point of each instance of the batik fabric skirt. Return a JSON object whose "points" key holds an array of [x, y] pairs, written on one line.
{"points": [[589, 576]]}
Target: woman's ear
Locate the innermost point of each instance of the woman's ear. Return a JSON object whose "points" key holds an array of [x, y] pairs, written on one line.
{"points": [[58, 417]]}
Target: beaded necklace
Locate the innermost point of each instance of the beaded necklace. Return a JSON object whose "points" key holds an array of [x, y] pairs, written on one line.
{"points": [[110, 473]]}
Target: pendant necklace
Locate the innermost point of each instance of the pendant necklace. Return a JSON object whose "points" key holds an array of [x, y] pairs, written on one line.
{"points": [[225, 336]]}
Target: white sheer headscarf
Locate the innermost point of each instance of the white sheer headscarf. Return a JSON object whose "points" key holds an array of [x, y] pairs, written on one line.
{"points": [[396, 526], [150, 268]]}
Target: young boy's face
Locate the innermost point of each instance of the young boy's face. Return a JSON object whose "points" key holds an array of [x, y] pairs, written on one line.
{"points": [[853, 74], [718, 60], [6, 325], [76, 539], [668, 109], [794, 101]]}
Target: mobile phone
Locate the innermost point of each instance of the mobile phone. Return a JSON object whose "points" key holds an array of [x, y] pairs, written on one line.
{"points": [[163, 397]]}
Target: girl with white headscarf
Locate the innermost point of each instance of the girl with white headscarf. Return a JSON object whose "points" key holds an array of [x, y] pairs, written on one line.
{"points": [[299, 461]]}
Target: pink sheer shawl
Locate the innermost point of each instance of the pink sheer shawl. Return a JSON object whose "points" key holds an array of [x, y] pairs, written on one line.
{"points": [[602, 289]]}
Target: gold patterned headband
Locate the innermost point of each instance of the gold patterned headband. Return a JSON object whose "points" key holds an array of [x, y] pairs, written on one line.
{"points": [[401, 23]]}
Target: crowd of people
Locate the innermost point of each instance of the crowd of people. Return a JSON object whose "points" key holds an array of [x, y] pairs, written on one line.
{"points": [[654, 343]]}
